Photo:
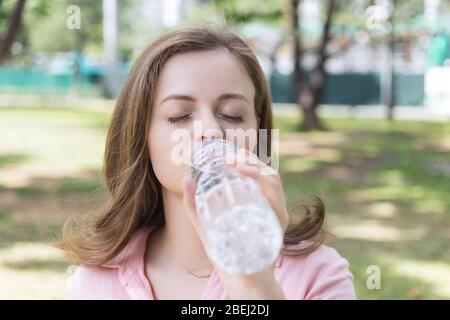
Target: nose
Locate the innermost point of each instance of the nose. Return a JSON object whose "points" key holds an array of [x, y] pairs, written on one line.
{"points": [[209, 127], [211, 134]]}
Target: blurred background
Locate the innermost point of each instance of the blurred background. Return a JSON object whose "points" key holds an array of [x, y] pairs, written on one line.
{"points": [[361, 97]]}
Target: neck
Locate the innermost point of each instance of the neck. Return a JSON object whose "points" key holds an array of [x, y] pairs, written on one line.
{"points": [[179, 238]]}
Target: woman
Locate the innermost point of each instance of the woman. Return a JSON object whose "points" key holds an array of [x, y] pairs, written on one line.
{"points": [[146, 243]]}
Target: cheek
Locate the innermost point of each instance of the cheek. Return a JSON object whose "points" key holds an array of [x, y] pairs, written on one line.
{"points": [[167, 171]]}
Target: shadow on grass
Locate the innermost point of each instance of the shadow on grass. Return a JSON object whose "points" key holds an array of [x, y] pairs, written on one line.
{"points": [[89, 182], [11, 159], [381, 182], [38, 265], [73, 185], [13, 231], [67, 117], [395, 284], [36, 212], [389, 162]]}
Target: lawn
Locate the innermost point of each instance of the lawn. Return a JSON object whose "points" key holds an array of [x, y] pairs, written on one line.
{"points": [[385, 186]]}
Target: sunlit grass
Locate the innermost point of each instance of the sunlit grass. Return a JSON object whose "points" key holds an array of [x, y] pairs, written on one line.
{"points": [[387, 195]]}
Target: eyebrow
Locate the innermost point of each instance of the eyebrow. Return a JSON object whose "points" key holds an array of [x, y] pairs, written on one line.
{"points": [[225, 96]]}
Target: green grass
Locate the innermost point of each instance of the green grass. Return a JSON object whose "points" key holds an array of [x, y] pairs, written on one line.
{"points": [[391, 180], [18, 230], [69, 186], [385, 186]]}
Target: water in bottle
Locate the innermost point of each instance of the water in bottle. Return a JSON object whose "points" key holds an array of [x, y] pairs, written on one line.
{"points": [[242, 233]]}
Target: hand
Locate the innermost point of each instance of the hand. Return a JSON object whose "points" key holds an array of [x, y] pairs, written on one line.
{"points": [[268, 179]]}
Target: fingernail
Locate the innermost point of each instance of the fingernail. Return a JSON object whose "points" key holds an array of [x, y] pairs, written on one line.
{"points": [[244, 167]]}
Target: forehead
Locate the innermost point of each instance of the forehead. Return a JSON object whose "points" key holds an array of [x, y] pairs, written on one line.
{"points": [[204, 75]]}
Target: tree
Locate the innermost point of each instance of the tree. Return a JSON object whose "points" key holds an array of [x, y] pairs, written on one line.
{"points": [[245, 11], [309, 92], [87, 39], [53, 25], [12, 29]]}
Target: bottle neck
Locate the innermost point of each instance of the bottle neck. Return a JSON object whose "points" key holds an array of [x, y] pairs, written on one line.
{"points": [[211, 155], [208, 162]]}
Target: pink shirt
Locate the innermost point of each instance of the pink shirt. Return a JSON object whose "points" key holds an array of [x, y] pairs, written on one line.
{"points": [[323, 274]]}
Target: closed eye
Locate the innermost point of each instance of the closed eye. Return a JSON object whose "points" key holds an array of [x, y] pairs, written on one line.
{"points": [[179, 119], [188, 116], [235, 119]]}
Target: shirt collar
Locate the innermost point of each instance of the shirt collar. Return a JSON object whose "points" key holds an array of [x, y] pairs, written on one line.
{"points": [[133, 250]]}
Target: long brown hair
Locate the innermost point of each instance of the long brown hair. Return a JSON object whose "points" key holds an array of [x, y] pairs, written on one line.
{"points": [[134, 193]]}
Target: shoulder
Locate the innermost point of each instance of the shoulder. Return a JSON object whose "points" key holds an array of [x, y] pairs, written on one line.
{"points": [[325, 257], [323, 274], [87, 283], [109, 280]]}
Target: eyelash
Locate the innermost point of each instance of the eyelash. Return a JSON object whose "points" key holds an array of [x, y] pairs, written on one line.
{"points": [[187, 116], [182, 118]]}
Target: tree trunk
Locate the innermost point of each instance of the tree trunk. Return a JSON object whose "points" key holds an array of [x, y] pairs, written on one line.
{"points": [[318, 76], [390, 102], [13, 27], [298, 53], [309, 95], [310, 99]]}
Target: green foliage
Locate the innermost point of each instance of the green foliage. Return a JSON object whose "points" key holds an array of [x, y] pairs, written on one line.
{"points": [[239, 12], [6, 7], [45, 26], [53, 26]]}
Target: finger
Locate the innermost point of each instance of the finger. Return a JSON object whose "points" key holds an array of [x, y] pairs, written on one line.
{"points": [[270, 185], [266, 177], [247, 157], [243, 155], [231, 159], [249, 164], [248, 170], [257, 173]]}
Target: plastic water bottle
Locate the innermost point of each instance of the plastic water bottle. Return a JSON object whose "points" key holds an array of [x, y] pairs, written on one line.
{"points": [[242, 233]]}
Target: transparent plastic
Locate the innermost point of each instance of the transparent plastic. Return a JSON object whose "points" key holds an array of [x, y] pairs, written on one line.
{"points": [[242, 233]]}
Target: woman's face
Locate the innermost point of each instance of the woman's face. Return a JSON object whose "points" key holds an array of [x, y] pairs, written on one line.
{"points": [[199, 95]]}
